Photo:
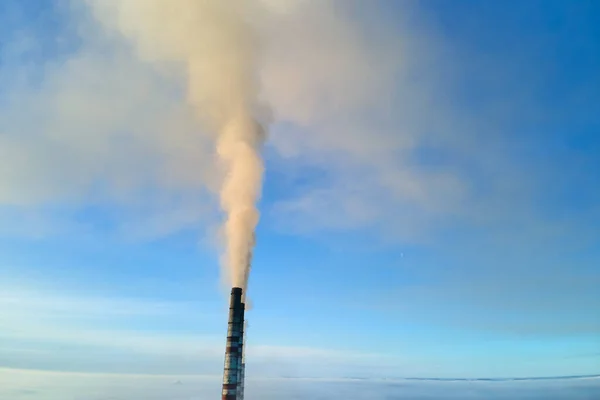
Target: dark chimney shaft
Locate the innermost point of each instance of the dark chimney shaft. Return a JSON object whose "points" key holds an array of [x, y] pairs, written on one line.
{"points": [[232, 387]]}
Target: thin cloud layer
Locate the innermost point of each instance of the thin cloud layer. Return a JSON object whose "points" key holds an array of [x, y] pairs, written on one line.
{"points": [[47, 331]]}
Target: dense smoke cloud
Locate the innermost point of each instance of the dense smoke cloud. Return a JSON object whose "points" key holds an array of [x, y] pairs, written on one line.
{"points": [[109, 126], [161, 105], [215, 45]]}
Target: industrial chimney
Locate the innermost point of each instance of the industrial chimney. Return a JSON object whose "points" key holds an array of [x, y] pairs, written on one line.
{"points": [[240, 379], [233, 350]]}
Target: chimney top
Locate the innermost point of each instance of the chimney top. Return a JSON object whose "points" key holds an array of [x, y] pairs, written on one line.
{"points": [[236, 290]]}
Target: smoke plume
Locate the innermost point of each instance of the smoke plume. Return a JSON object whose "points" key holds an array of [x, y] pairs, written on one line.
{"points": [[108, 124], [212, 42]]}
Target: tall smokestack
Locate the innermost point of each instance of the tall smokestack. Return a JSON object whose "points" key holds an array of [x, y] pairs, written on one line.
{"points": [[242, 365], [240, 379], [233, 351]]}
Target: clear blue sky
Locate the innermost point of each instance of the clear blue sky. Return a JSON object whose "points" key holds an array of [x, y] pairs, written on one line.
{"points": [[490, 267]]}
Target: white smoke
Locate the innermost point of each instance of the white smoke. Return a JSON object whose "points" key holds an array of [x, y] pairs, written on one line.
{"points": [[215, 45], [109, 126]]}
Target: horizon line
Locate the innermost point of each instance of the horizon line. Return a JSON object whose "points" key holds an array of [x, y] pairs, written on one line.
{"points": [[327, 379]]}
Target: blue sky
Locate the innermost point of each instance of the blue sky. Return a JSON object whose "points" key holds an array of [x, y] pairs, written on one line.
{"points": [[430, 205]]}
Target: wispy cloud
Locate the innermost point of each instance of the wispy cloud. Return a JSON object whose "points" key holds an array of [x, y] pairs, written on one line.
{"points": [[15, 303], [49, 331], [46, 321]]}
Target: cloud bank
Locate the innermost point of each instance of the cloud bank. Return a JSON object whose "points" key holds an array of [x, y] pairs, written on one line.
{"points": [[37, 385]]}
